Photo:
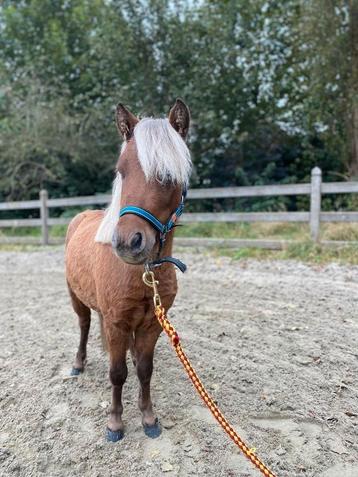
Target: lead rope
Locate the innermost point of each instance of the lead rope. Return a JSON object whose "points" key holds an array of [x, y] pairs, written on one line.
{"points": [[149, 280]]}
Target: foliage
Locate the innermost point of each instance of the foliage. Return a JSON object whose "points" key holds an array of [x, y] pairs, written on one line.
{"points": [[269, 98]]}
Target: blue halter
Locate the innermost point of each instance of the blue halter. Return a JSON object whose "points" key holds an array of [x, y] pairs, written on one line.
{"points": [[163, 229]]}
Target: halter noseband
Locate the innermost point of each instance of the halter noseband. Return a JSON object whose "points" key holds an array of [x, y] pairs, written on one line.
{"points": [[163, 229]]}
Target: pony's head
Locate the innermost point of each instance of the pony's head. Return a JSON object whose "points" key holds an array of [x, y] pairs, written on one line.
{"points": [[152, 171]]}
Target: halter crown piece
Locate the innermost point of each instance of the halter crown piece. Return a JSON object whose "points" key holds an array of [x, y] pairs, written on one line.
{"points": [[163, 229]]}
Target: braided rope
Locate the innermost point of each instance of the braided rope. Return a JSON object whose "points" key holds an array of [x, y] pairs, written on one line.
{"points": [[174, 338]]}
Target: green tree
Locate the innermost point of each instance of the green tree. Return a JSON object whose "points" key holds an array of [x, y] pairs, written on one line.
{"points": [[329, 68], [269, 98]]}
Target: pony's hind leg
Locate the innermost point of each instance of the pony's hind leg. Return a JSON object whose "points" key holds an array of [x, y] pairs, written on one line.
{"points": [[84, 319], [145, 341]]}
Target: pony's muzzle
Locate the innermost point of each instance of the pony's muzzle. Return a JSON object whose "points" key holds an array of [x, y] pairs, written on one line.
{"points": [[134, 248]]}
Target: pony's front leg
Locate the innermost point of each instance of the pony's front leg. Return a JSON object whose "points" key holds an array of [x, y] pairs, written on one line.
{"points": [[117, 341], [145, 340]]}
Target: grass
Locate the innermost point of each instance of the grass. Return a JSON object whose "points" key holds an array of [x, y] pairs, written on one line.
{"points": [[303, 251], [243, 230], [269, 230], [12, 247], [55, 231]]}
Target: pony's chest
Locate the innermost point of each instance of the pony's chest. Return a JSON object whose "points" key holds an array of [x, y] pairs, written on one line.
{"points": [[126, 298]]}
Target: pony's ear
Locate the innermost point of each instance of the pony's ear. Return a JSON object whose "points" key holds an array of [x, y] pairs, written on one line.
{"points": [[179, 117], [125, 121]]}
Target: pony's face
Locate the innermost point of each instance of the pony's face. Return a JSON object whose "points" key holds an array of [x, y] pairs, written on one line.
{"points": [[154, 165], [134, 239]]}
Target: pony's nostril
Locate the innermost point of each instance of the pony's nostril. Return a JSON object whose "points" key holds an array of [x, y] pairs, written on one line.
{"points": [[136, 241]]}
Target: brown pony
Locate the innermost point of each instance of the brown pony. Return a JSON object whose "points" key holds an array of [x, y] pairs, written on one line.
{"points": [[105, 253]]}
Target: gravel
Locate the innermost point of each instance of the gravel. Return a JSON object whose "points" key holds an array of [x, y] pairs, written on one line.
{"points": [[275, 342]]}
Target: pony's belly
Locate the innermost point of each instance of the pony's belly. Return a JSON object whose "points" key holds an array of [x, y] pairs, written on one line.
{"points": [[86, 298], [83, 287]]}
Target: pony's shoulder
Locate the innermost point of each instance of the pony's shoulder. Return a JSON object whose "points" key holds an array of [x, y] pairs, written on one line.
{"points": [[83, 217]]}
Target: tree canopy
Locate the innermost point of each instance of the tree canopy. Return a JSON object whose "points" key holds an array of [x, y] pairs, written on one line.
{"points": [[272, 87]]}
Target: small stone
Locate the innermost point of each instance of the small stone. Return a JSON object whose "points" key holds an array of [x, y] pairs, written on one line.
{"points": [[167, 423], [69, 378], [166, 467], [4, 453], [336, 446], [303, 361], [281, 451], [104, 404], [5, 436], [82, 468]]}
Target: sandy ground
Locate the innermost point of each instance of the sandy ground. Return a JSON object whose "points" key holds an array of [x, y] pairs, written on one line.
{"points": [[275, 343]]}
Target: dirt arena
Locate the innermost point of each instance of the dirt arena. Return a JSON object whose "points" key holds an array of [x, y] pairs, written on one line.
{"points": [[276, 343]]}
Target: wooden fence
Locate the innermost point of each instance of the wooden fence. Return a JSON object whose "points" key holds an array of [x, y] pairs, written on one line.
{"points": [[314, 217]]}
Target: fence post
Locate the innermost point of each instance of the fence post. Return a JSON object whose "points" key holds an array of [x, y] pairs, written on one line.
{"points": [[44, 216], [315, 209]]}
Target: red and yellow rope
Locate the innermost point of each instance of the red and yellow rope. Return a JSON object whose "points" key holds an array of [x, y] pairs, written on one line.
{"points": [[149, 280]]}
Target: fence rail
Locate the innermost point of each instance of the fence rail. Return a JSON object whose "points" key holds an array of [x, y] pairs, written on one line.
{"points": [[314, 217]]}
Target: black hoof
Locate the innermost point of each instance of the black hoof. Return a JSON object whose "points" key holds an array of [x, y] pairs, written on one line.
{"points": [[152, 431], [76, 371], [113, 436]]}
